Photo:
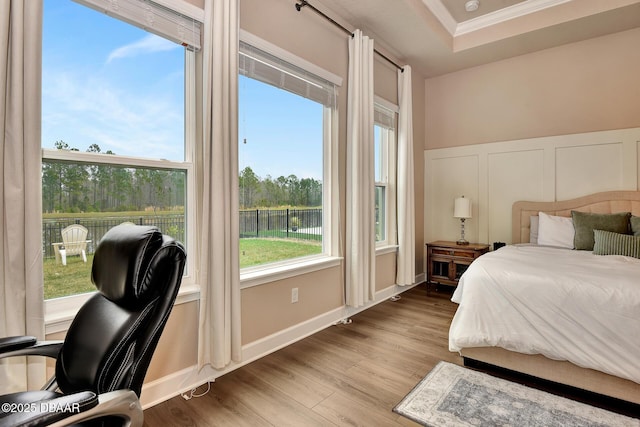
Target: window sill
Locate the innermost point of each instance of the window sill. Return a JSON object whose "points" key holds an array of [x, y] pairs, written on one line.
{"points": [[260, 276], [382, 250], [60, 314]]}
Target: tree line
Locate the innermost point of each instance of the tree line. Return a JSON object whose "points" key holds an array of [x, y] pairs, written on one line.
{"points": [[82, 187], [79, 187], [282, 191]]}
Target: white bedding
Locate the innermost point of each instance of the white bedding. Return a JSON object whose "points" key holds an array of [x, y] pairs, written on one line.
{"points": [[565, 304]]}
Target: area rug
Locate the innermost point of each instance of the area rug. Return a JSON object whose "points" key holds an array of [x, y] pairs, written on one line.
{"points": [[451, 395]]}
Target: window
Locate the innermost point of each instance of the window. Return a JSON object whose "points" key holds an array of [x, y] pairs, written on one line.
{"points": [[384, 170], [115, 133], [284, 132]]}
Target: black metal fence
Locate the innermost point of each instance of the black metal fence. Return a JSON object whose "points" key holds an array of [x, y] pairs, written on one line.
{"points": [[278, 223], [282, 223], [173, 225]]}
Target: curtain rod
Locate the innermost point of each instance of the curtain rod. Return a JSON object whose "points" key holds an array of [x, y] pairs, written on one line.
{"points": [[304, 3]]}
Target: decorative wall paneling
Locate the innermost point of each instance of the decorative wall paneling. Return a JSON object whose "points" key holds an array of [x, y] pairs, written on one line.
{"points": [[494, 175]]}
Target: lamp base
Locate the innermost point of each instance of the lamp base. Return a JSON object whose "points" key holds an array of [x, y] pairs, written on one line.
{"points": [[462, 240]]}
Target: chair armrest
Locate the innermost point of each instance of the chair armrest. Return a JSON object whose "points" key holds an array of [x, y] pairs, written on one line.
{"points": [[49, 412], [120, 403], [28, 346], [16, 342]]}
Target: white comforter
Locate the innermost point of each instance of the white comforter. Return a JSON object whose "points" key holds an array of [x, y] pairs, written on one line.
{"points": [[565, 304]]}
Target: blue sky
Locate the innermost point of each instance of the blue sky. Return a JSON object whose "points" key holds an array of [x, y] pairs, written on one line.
{"points": [[109, 83], [112, 84], [282, 137]]}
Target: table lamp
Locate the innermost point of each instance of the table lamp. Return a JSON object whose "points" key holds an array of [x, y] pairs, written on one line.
{"points": [[462, 210]]}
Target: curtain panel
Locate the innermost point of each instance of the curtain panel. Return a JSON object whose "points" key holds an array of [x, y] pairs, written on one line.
{"points": [[22, 296], [360, 225], [406, 270], [217, 176]]}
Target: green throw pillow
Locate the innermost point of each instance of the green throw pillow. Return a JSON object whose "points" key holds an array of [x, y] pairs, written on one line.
{"points": [[584, 223], [635, 225], [608, 243]]}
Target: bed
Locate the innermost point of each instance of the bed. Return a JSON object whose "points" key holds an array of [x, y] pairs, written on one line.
{"points": [[563, 315]]}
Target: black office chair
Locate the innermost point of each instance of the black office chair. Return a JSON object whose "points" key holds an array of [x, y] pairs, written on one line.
{"points": [[101, 364]]}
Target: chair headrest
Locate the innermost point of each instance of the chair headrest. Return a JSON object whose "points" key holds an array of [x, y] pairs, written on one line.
{"points": [[121, 260]]}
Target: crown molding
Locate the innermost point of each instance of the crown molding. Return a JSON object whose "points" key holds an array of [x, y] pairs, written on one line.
{"points": [[517, 10], [442, 14], [502, 15]]}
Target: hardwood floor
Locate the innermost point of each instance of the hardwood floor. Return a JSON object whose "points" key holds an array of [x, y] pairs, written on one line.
{"points": [[344, 375]]}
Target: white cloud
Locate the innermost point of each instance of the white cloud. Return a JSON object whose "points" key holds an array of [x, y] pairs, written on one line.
{"points": [[82, 109], [149, 44]]}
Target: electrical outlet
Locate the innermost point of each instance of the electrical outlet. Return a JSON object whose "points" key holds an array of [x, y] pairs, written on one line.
{"points": [[294, 295]]}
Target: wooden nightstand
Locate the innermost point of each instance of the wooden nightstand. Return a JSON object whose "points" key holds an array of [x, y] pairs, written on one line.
{"points": [[446, 261]]}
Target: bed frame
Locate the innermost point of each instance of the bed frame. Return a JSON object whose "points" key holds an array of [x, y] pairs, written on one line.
{"points": [[563, 372]]}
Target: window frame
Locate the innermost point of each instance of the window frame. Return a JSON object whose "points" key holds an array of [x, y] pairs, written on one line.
{"points": [[58, 312], [63, 307], [260, 274], [178, 21], [388, 149]]}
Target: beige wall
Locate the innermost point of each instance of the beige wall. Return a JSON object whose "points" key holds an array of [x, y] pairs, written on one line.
{"points": [[385, 270], [385, 80], [178, 345], [586, 86], [267, 309]]}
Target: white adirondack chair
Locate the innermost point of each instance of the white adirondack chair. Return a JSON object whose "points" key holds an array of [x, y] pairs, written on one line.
{"points": [[74, 242]]}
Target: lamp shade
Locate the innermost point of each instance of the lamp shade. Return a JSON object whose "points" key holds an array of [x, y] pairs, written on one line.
{"points": [[462, 208]]}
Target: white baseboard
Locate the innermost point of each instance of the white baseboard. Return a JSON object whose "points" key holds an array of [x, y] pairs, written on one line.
{"points": [[183, 381], [165, 388]]}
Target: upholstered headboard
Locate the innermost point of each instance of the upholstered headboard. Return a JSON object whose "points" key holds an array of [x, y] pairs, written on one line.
{"points": [[606, 202]]}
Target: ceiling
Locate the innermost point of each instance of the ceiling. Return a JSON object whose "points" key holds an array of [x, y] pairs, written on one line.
{"points": [[440, 36]]}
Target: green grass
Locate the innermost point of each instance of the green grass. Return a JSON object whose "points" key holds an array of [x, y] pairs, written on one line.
{"points": [[281, 235], [91, 215], [261, 251], [75, 277]]}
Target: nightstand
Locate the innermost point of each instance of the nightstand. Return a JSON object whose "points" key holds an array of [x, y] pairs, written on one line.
{"points": [[446, 261]]}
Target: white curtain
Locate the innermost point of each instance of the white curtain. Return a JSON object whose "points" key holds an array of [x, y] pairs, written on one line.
{"points": [[360, 242], [406, 270], [21, 298], [217, 175]]}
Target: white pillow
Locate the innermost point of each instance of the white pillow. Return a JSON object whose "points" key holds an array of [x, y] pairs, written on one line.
{"points": [[533, 229], [555, 231]]}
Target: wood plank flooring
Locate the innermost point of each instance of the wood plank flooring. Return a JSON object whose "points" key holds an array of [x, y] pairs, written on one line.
{"points": [[346, 375]]}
